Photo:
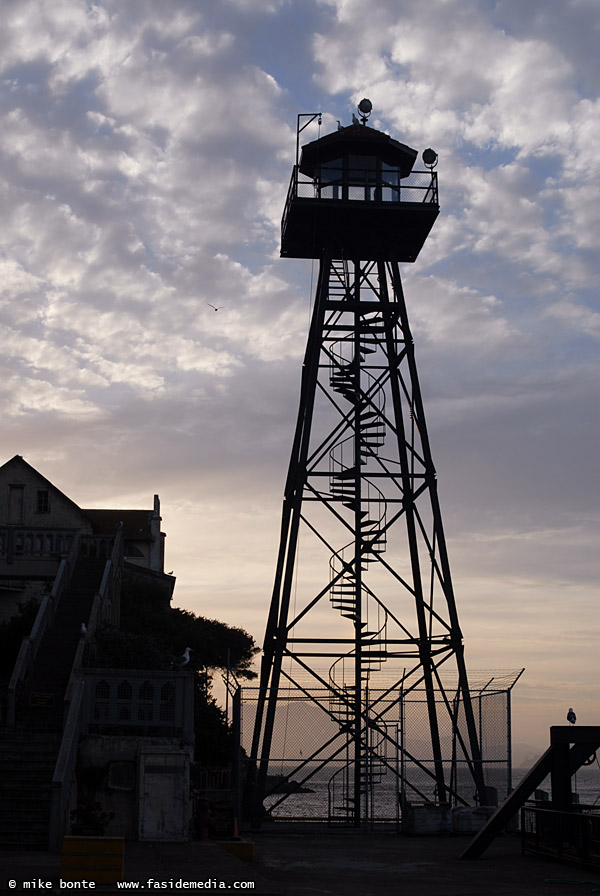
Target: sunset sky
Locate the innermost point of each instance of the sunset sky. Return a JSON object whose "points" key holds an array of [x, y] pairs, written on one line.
{"points": [[145, 154]]}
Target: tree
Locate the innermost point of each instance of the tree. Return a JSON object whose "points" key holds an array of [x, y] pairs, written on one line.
{"points": [[157, 632], [152, 633]]}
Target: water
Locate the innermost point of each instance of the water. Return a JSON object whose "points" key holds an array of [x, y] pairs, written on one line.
{"points": [[586, 784], [383, 796]]}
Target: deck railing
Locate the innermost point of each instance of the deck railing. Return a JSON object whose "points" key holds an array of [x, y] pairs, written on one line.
{"points": [[373, 187], [566, 836], [35, 543]]}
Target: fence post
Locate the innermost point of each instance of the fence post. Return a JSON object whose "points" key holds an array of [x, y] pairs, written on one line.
{"points": [[236, 759]]}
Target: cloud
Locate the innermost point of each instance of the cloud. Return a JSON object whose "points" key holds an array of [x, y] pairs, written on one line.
{"points": [[144, 163]]}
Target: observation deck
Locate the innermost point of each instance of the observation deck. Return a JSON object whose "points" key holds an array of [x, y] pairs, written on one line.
{"points": [[369, 220], [354, 194]]}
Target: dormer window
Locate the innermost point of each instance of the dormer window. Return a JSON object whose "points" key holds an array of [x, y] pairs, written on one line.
{"points": [[42, 500]]}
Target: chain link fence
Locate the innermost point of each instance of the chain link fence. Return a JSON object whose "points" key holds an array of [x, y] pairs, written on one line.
{"points": [[313, 774]]}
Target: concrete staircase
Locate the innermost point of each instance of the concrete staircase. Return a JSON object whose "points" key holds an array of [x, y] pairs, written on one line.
{"points": [[28, 753]]}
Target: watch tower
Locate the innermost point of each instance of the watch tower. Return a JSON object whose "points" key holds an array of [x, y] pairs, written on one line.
{"points": [[363, 609]]}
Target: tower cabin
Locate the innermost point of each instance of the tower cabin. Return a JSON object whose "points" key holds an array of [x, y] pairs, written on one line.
{"points": [[355, 195]]}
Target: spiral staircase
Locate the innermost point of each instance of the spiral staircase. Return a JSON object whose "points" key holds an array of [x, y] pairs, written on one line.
{"points": [[360, 442]]}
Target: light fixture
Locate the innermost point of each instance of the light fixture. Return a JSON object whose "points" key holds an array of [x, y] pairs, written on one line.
{"points": [[430, 158], [365, 107]]}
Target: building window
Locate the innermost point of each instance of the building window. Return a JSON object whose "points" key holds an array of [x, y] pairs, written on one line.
{"points": [[42, 501], [15, 503]]}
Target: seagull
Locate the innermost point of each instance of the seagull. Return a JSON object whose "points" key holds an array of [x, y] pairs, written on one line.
{"points": [[83, 629], [180, 661], [213, 306], [571, 717], [355, 119], [340, 128]]}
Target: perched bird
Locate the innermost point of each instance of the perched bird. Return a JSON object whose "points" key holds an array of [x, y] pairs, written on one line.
{"points": [[180, 661], [340, 128], [83, 629], [355, 119], [214, 306], [571, 717]]}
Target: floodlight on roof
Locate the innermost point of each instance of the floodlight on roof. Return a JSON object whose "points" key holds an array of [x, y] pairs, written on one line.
{"points": [[430, 158], [365, 107]]}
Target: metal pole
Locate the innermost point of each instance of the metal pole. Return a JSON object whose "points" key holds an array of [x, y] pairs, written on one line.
{"points": [[276, 633], [360, 769], [424, 646], [456, 634], [236, 711]]}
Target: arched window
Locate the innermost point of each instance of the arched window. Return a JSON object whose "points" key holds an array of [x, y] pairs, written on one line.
{"points": [[102, 691], [146, 691], [124, 691]]}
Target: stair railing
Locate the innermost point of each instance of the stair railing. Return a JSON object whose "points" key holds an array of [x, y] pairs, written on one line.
{"points": [[105, 608], [43, 621]]}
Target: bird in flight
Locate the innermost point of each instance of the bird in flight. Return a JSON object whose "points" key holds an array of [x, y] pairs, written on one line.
{"points": [[213, 306], [571, 717]]}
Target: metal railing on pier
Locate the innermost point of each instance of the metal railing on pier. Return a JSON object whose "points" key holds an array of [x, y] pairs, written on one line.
{"points": [[566, 836]]}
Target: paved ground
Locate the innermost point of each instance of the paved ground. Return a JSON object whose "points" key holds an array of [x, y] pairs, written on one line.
{"points": [[330, 864]]}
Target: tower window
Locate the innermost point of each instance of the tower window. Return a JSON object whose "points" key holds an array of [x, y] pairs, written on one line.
{"points": [[42, 501]]}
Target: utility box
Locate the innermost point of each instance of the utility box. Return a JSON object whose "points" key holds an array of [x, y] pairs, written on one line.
{"points": [[427, 818], [470, 819], [164, 795]]}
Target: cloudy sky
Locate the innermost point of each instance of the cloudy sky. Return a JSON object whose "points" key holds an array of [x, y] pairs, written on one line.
{"points": [[145, 153]]}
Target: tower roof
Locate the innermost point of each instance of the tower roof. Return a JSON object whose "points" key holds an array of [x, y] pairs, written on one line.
{"points": [[357, 139]]}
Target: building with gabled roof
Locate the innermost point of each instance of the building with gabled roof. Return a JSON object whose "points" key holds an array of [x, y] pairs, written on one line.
{"points": [[38, 523], [75, 738]]}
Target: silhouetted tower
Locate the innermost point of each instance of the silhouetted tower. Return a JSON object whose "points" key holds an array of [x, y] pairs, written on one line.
{"points": [[363, 609]]}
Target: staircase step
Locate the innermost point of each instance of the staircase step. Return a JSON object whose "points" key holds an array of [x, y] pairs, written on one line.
{"points": [[348, 473]]}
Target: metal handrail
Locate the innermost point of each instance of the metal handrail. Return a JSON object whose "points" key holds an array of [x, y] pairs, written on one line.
{"points": [[382, 186], [376, 186], [566, 836]]}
